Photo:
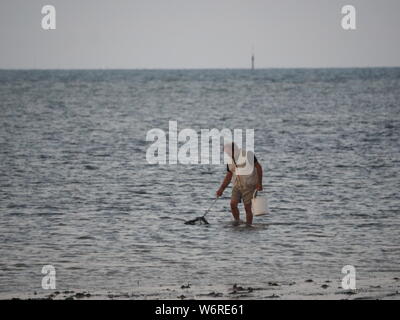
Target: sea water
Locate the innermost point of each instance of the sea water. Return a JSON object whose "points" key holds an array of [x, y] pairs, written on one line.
{"points": [[77, 193]]}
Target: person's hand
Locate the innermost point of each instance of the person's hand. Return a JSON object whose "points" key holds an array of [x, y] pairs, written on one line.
{"points": [[259, 187], [219, 192]]}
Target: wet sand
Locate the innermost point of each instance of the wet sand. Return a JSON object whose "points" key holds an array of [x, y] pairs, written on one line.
{"points": [[308, 289]]}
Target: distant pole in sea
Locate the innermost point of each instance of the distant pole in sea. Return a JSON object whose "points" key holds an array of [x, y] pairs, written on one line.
{"points": [[252, 61]]}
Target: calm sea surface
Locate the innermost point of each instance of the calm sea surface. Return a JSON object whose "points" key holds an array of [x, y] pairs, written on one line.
{"points": [[76, 191]]}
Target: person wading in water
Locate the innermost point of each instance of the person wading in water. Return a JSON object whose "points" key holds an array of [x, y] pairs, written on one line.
{"points": [[246, 173]]}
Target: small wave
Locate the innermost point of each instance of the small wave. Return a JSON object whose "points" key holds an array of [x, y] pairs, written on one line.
{"points": [[86, 238], [16, 206], [90, 167]]}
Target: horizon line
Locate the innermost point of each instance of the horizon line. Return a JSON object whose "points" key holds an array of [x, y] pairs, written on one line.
{"points": [[189, 69]]}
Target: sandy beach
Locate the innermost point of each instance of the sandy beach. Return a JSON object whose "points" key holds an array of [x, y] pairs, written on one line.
{"points": [[375, 289]]}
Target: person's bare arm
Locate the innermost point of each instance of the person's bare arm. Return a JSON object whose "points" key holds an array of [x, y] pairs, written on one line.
{"points": [[259, 169], [225, 183]]}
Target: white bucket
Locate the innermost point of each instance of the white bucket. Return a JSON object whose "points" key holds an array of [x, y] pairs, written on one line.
{"points": [[259, 204]]}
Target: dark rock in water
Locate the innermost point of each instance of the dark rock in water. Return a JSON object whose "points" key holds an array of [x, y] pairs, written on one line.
{"points": [[181, 297], [239, 289], [53, 295], [112, 296], [215, 294], [236, 287], [273, 284], [81, 295], [273, 296], [350, 292], [187, 286], [324, 286], [396, 278], [309, 280], [69, 298]]}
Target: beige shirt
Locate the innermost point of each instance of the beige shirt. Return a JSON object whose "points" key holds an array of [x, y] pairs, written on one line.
{"points": [[244, 172]]}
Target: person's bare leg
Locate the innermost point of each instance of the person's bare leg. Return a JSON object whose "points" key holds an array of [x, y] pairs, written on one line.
{"points": [[249, 214], [235, 210]]}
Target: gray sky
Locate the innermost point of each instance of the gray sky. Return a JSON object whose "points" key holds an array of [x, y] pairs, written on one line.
{"points": [[198, 34]]}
